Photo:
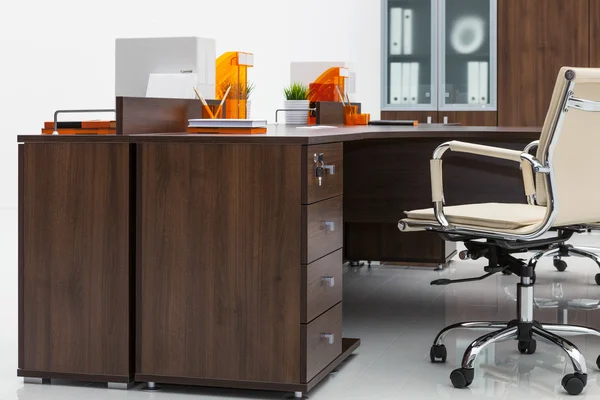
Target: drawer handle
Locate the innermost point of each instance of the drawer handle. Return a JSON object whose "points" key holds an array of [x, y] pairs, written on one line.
{"points": [[329, 336], [329, 226], [329, 280]]}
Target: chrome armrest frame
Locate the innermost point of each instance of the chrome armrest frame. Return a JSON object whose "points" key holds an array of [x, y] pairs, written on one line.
{"points": [[438, 206], [531, 199]]}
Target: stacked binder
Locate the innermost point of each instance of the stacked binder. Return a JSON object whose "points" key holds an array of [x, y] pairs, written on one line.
{"points": [[404, 83], [401, 31], [81, 128], [477, 82]]}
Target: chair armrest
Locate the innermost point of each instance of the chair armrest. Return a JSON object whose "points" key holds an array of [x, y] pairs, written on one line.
{"points": [[527, 170], [528, 163]]}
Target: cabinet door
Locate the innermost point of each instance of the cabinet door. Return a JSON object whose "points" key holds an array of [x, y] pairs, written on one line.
{"points": [[467, 55], [409, 77], [535, 39]]}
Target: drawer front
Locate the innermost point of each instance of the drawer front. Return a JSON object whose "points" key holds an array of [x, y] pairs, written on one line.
{"points": [[323, 230], [323, 341], [333, 180], [321, 285]]}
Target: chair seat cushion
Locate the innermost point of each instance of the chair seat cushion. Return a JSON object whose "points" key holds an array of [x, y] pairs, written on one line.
{"points": [[489, 215]]}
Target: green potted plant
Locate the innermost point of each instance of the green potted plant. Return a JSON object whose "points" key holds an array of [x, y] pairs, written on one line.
{"points": [[296, 97], [239, 92], [249, 89]]}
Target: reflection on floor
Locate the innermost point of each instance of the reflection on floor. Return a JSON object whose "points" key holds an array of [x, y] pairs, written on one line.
{"points": [[396, 313]]}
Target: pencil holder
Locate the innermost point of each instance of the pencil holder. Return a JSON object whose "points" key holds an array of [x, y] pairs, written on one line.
{"points": [[350, 115], [213, 109]]}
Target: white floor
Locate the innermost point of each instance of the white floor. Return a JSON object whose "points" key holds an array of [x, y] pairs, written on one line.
{"points": [[396, 313]]}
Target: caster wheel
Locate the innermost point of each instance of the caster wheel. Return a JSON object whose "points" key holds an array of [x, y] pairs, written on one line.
{"points": [[574, 383], [438, 352], [597, 279], [462, 377], [560, 265], [598, 362], [506, 272], [527, 347]]}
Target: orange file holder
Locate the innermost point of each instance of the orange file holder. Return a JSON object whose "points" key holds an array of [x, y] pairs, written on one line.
{"points": [[231, 74]]}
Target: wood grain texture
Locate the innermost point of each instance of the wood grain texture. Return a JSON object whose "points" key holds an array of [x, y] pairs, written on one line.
{"points": [[75, 261], [137, 115], [318, 351], [21, 253], [218, 262], [397, 180], [384, 242], [532, 47], [332, 184], [322, 229], [420, 116], [287, 134], [594, 38], [317, 295], [470, 118]]}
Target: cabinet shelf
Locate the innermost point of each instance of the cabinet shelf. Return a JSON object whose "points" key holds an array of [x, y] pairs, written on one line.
{"points": [[434, 32]]}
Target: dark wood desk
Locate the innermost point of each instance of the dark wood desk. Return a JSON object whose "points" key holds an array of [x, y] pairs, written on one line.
{"points": [[217, 259]]}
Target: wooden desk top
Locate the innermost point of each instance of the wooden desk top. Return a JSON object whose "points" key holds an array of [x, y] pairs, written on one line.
{"points": [[288, 134]]}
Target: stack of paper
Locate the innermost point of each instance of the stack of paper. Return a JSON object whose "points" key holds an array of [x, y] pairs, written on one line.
{"points": [[233, 126], [404, 83], [96, 127]]}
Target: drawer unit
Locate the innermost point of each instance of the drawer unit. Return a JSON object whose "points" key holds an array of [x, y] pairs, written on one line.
{"points": [[333, 180], [322, 342], [321, 285], [322, 229]]}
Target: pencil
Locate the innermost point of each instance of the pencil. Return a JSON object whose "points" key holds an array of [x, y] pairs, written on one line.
{"points": [[212, 116], [223, 101]]}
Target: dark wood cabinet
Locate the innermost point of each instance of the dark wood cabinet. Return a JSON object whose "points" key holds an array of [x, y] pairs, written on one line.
{"points": [[75, 262], [469, 118], [535, 39], [421, 116]]}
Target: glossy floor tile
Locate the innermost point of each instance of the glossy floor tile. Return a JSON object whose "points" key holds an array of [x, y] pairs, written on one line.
{"points": [[396, 313]]}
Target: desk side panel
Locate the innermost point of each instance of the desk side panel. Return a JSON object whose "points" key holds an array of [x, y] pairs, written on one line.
{"points": [[219, 261], [74, 260], [385, 178]]}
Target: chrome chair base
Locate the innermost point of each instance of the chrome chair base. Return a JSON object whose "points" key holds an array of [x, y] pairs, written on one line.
{"points": [[566, 250], [526, 331]]}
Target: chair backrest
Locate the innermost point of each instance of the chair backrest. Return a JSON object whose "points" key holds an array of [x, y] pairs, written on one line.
{"points": [[570, 143]]}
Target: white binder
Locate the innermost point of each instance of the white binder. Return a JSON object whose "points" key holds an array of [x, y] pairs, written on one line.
{"points": [[395, 83], [473, 82], [407, 32], [414, 83], [483, 82], [396, 16], [405, 83]]}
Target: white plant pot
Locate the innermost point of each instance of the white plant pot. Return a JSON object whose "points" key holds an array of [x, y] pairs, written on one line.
{"points": [[296, 117], [247, 109]]}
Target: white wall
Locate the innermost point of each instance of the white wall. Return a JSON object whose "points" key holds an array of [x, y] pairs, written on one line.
{"points": [[60, 53]]}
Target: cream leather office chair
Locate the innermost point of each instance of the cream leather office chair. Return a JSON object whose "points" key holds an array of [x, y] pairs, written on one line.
{"points": [[561, 250], [567, 167]]}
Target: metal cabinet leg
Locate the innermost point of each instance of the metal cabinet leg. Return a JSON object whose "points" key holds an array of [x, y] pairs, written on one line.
{"points": [[37, 381]]}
